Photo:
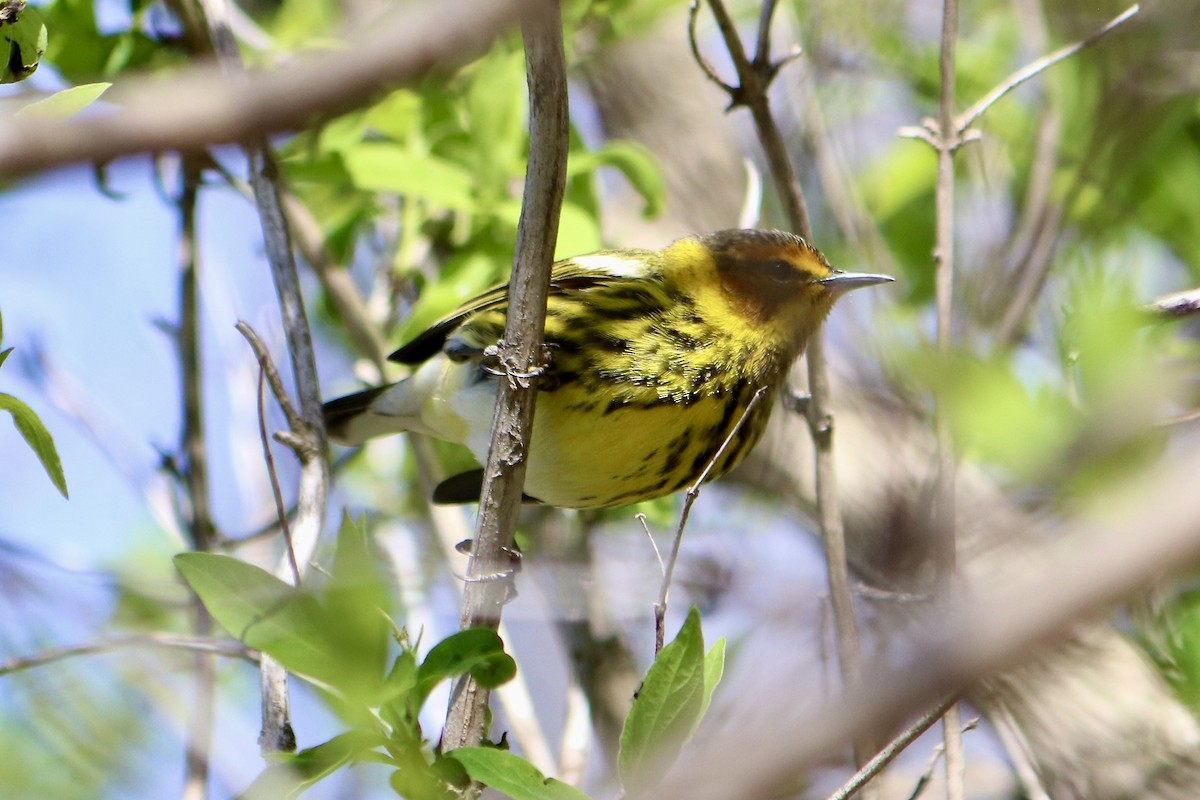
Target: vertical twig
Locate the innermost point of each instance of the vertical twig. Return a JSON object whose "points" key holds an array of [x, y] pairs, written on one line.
{"points": [[194, 469], [754, 78], [521, 353], [945, 547], [309, 441]]}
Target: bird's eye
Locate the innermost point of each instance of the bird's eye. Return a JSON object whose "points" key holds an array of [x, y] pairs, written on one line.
{"points": [[781, 271]]}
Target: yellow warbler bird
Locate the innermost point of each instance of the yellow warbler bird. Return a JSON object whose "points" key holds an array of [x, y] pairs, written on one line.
{"points": [[655, 356]]}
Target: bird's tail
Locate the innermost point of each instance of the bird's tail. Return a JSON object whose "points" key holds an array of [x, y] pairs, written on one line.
{"points": [[353, 419]]}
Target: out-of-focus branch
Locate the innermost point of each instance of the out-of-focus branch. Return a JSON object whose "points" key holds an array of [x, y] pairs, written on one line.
{"points": [[1177, 305], [206, 105], [754, 78], [521, 354], [1092, 567], [194, 469], [171, 641]]}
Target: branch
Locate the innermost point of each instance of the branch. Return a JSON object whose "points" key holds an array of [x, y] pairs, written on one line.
{"points": [[194, 467], [1178, 305], [945, 545], [1035, 68], [172, 641], [520, 352], [206, 105], [892, 749], [268, 373], [1093, 566], [755, 78], [660, 607]]}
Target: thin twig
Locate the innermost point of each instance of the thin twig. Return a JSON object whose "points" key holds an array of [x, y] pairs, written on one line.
{"points": [[521, 352], [1031, 70], [938, 750], [693, 492], [1180, 419], [752, 92], [892, 749], [945, 551], [272, 473], [173, 641], [705, 67], [204, 105], [194, 468]]}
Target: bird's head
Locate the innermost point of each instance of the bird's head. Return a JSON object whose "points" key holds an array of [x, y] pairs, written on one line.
{"points": [[766, 283]]}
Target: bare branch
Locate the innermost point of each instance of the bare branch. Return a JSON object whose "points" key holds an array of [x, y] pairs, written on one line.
{"points": [[521, 351], [194, 467], [1178, 305], [938, 751], [1092, 566], [173, 641], [1035, 68], [450, 528], [892, 749], [945, 549], [705, 67], [205, 105], [752, 92], [281, 516]]}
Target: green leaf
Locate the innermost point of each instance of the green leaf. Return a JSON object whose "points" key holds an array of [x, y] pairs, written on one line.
{"points": [[66, 103], [294, 773], [22, 42], [383, 167], [714, 670], [635, 162], [35, 434], [514, 776], [478, 651], [264, 612], [356, 601], [416, 779], [495, 105], [4, 355], [666, 708]]}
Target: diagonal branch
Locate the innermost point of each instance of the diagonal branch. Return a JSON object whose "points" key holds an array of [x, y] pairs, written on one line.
{"points": [[206, 105], [1035, 68]]}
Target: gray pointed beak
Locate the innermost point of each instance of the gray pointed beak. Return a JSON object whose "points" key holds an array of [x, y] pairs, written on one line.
{"points": [[840, 282]]}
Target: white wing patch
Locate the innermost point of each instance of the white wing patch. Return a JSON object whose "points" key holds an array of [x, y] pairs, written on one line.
{"points": [[613, 265]]}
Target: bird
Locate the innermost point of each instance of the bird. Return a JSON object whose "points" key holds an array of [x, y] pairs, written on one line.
{"points": [[655, 357]]}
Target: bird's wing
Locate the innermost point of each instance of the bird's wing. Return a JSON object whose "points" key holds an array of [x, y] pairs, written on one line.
{"points": [[571, 275]]}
